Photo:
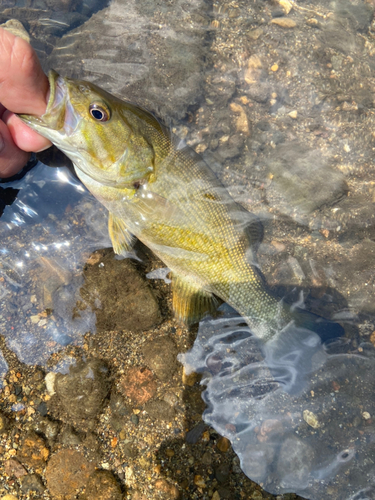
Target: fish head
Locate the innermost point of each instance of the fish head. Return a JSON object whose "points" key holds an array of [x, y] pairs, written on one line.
{"points": [[111, 141]]}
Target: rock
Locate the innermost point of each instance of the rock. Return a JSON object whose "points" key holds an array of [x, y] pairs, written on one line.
{"points": [[4, 423], [13, 468], [33, 451], [284, 22], [126, 301], [82, 391], [102, 485], [311, 419], [32, 482], [303, 178], [139, 385], [160, 410], [50, 383], [223, 444], [116, 49], [169, 491], [67, 471], [161, 356]]}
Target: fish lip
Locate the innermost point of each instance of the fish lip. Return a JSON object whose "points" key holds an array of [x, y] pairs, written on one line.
{"points": [[55, 102]]}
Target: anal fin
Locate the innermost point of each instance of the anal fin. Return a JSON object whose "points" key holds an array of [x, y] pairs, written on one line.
{"points": [[190, 302], [122, 239]]}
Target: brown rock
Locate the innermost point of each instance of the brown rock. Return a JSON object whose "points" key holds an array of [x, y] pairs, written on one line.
{"points": [[139, 385], [126, 299], [67, 471], [169, 491], [284, 22], [4, 423], [13, 468], [161, 356], [33, 451], [102, 485], [223, 444]]}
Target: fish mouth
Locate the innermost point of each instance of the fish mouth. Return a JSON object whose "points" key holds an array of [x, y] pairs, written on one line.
{"points": [[54, 117]]}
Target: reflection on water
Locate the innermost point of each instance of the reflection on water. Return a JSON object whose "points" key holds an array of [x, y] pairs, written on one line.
{"points": [[47, 235], [278, 97]]}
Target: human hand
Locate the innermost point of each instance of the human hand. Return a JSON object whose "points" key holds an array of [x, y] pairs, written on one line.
{"points": [[24, 88]]}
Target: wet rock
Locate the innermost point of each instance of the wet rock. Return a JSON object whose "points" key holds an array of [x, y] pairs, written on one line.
{"points": [[159, 67], [81, 392], [69, 437], [303, 179], [126, 301], [139, 385], [160, 410], [120, 411], [32, 483], [67, 471], [223, 444], [222, 473], [294, 463], [168, 491], [4, 423], [102, 485], [50, 428], [33, 451], [161, 356], [13, 468]]}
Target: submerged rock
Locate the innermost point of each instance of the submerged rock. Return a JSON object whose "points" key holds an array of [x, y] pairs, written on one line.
{"points": [[81, 392]]}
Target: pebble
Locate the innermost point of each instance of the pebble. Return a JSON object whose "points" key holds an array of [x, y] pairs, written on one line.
{"points": [[274, 67], [293, 114], [32, 482], [241, 121], [170, 490], [9, 497], [284, 22], [139, 385], [12, 468], [67, 471], [199, 481], [366, 415], [223, 444], [285, 5], [50, 383], [189, 379], [311, 419], [4, 423], [33, 451], [253, 70]]}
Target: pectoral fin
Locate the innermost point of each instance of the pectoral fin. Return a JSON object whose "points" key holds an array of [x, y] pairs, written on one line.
{"points": [[190, 302], [122, 239]]}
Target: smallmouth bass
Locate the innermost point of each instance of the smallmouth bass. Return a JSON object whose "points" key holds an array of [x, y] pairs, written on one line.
{"points": [[165, 195]]}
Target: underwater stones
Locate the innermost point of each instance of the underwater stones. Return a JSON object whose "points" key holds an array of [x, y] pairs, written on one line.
{"points": [[67, 471], [122, 298], [139, 385], [102, 485], [161, 356], [32, 483], [294, 463], [33, 451], [303, 178], [81, 392], [117, 50]]}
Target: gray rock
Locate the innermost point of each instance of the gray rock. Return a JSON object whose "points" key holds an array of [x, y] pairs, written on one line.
{"points": [[125, 50], [32, 482], [303, 178]]}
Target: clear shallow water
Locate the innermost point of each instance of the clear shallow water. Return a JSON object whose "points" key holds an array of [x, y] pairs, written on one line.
{"points": [[284, 115]]}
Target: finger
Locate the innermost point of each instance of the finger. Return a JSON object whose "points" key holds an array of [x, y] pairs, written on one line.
{"points": [[12, 159], [23, 136], [23, 84]]}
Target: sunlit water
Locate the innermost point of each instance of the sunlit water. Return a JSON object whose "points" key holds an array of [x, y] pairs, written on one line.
{"points": [[284, 115]]}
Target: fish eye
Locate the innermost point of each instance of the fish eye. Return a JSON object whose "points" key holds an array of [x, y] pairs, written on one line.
{"points": [[99, 112]]}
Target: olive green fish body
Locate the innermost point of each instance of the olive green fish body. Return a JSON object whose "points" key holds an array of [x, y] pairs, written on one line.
{"points": [[165, 195]]}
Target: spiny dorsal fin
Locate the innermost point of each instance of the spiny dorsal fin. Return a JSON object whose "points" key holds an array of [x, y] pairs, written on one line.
{"points": [[190, 302], [122, 239]]}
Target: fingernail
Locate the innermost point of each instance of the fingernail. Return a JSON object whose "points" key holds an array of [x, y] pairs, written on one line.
{"points": [[2, 143]]}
